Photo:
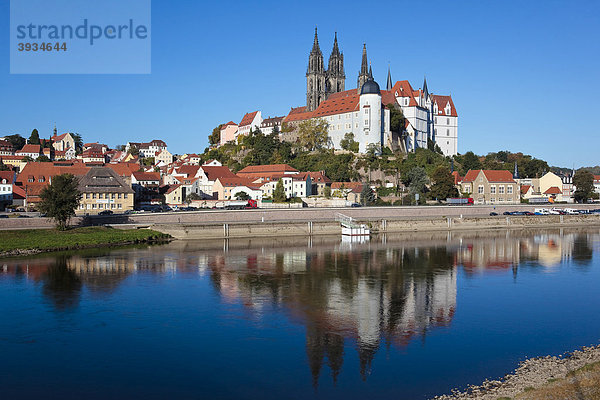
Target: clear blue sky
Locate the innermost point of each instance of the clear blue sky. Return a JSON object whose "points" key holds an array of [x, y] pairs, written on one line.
{"points": [[524, 75]]}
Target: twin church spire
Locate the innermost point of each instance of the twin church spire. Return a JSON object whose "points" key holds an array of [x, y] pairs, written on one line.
{"points": [[320, 83]]}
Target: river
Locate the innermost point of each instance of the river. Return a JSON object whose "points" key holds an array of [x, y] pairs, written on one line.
{"points": [[404, 316]]}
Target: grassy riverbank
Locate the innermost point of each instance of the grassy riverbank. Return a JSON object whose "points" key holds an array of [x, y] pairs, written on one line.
{"points": [[583, 383], [41, 240]]}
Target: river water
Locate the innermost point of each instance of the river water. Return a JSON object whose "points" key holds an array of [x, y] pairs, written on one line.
{"points": [[397, 317]]}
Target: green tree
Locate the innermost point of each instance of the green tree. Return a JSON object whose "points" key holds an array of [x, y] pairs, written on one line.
{"points": [[27, 159], [43, 158], [60, 199], [470, 161], [443, 184], [279, 192], [35, 137], [4, 167], [397, 119], [584, 185], [312, 134], [78, 142], [133, 150], [327, 191], [242, 196], [192, 197], [17, 141], [417, 182], [215, 136], [348, 143], [367, 196]]}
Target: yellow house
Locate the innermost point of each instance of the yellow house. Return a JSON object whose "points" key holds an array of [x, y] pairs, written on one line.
{"points": [[102, 189]]}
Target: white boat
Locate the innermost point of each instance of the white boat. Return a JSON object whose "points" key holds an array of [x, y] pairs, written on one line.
{"points": [[352, 228]]}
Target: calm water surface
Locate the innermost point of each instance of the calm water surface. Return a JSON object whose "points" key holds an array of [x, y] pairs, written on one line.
{"points": [[398, 317]]}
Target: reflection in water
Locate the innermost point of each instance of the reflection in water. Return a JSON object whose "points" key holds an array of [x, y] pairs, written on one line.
{"points": [[387, 291]]}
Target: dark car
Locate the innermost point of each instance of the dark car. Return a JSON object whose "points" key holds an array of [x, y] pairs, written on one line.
{"points": [[3, 216], [356, 205], [528, 213], [105, 212], [506, 213], [493, 214], [23, 216]]}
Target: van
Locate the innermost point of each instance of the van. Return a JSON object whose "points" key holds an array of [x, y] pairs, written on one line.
{"points": [[542, 211]]}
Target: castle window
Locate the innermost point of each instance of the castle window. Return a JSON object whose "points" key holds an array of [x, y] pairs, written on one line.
{"points": [[447, 121]]}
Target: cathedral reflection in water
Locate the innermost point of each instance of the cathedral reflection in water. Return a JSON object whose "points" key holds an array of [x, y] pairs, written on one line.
{"points": [[385, 292]]}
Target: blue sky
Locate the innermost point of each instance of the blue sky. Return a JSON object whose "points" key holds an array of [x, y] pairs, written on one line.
{"points": [[523, 75]]}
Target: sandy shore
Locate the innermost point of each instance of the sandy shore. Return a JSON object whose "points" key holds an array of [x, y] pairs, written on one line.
{"points": [[573, 375]]}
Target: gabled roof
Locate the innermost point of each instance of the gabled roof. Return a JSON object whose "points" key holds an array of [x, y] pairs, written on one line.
{"points": [[248, 118], [525, 189], [227, 124], [344, 102], [491, 175], [58, 138], [403, 89], [442, 101], [188, 170], [316, 177], [353, 186], [553, 190], [36, 170], [172, 188], [124, 169], [271, 121], [298, 114]]}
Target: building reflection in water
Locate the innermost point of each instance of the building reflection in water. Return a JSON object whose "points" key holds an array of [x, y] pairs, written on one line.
{"points": [[385, 292]]}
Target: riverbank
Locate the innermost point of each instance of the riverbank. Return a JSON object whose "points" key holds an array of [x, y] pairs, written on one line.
{"points": [[33, 241], [574, 375]]}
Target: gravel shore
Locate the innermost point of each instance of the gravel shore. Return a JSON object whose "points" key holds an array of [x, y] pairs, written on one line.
{"points": [[530, 375]]}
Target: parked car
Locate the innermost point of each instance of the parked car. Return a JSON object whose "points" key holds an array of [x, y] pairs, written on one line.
{"points": [[355, 205], [3, 216], [493, 214], [105, 212], [23, 216], [506, 213]]}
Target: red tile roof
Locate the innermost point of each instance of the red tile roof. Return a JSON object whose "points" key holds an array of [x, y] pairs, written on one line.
{"points": [[316, 177], [8, 175], [342, 102], [442, 101], [347, 185], [525, 189], [58, 138], [214, 172], [490, 175], [229, 181], [272, 168], [146, 176], [188, 170], [18, 192], [172, 188], [298, 114], [403, 89], [248, 118], [30, 148], [124, 169], [553, 190], [36, 170]]}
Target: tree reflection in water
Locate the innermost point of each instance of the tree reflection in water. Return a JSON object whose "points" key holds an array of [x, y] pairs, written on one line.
{"points": [[61, 285]]}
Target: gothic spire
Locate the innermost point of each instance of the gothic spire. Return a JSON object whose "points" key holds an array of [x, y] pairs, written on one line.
{"points": [[316, 43], [364, 67], [425, 91], [335, 50], [370, 72], [389, 80]]}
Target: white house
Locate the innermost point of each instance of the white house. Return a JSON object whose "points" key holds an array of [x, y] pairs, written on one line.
{"points": [[251, 121]]}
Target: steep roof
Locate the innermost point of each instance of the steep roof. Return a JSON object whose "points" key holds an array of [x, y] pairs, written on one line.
{"points": [[188, 170], [248, 118], [37, 170], [525, 189], [124, 169], [298, 114], [404, 89], [102, 180], [58, 138], [442, 101], [316, 176], [343, 102], [229, 181], [9, 176]]}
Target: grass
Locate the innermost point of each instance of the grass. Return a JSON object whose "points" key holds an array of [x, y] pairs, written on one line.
{"points": [[582, 383], [50, 239]]}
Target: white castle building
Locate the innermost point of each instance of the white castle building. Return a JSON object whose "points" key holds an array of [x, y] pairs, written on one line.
{"points": [[364, 111]]}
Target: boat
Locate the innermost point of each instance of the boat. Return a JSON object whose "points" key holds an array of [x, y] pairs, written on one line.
{"points": [[351, 227]]}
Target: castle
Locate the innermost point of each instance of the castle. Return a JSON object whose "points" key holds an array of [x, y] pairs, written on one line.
{"points": [[363, 112]]}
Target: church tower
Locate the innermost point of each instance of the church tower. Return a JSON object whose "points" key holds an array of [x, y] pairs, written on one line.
{"points": [[336, 78], [315, 77], [363, 76]]}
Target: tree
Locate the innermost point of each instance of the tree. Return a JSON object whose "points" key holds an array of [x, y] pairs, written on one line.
{"points": [[27, 159], [17, 141], [443, 184], [133, 150], [242, 196], [60, 199], [312, 134], [215, 136], [584, 185], [43, 158], [78, 142], [192, 197], [470, 161], [279, 192], [397, 119], [367, 196], [417, 182], [327, 191], [120, 147], [35, 137], [348, 143]]}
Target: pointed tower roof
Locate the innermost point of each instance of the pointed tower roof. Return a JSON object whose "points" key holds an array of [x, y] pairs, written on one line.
{"points": [[364, 66], [425, 91], [370, 72], [316, 47], [336, 49], [389, 80]]}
